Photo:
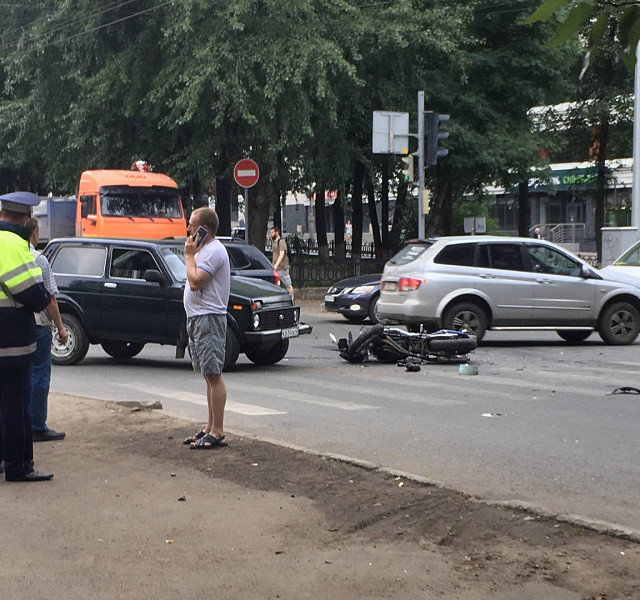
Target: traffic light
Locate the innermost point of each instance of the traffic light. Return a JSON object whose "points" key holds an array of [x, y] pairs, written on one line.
{"points": [[407, 168], [434, 135]]}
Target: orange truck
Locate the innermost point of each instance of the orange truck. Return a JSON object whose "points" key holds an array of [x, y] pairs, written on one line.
{"points": [[128, 204]]}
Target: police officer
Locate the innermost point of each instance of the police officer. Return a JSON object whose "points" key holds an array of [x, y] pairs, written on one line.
{"points": [[21, 294]]}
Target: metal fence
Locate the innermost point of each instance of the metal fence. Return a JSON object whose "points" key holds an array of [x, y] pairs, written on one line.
{"points": [[312, 271], [589, 257], [567, 233], [297, 245], [307, 269]]}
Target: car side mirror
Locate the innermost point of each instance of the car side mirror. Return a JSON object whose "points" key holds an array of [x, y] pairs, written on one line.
{"points": [[154, 276], [586, 272]]}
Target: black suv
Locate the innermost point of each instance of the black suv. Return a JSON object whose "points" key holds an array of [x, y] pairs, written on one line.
{"points": [[123, 294]]}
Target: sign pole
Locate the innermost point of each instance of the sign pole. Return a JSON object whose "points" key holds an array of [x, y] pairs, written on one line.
{"points": [[246, 173], [635, 186], [246, 215], [421, 233]]}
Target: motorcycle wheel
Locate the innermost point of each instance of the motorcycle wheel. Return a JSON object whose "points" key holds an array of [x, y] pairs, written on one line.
{"points": [[385, 355], [453, 346], [356, 351]]}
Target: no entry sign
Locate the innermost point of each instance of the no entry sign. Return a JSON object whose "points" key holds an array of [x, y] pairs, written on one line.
{"points": [[246, 173]]}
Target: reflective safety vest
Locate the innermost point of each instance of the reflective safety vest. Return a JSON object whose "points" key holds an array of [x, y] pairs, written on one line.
{"points": [[21, 294]]}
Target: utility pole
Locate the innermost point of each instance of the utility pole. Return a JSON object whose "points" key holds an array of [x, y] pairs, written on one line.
{"points": [[420, 164], [635, 188]]}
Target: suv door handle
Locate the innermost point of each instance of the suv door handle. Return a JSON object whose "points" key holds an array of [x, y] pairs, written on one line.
{"points": [[543, 280], [486, 276], [111, 286]]}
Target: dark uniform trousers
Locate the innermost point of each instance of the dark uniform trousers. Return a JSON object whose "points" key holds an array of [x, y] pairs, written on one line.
{"points": [[16, 444]]}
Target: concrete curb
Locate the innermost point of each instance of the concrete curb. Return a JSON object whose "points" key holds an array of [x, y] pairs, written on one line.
{"points": [[610, 529], [603, 527]]}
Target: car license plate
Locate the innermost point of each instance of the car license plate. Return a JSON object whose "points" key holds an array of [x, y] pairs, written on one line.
{"points": [[290, 332], [329, 298], [390, 286]]}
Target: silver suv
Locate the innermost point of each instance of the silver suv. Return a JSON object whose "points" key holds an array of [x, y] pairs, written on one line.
{"points": [[506, 283]]}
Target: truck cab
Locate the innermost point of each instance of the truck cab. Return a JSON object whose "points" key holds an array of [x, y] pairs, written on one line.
{"points": [[128, 204]]}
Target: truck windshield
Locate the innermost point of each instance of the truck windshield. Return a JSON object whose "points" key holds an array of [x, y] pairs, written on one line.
{"points": [[152, 202]]}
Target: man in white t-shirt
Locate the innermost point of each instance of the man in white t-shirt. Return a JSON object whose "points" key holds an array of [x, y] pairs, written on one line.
{"points": [[41, 358], [206, 296]]}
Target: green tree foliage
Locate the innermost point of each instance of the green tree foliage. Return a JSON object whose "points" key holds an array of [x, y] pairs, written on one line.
{"points": [[507, 70], [603, 19], [192, 86]]}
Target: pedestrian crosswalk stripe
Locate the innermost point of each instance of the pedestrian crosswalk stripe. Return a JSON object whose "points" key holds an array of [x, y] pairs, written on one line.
{"points": [[368, 389], [293, 395], [200, 399]]}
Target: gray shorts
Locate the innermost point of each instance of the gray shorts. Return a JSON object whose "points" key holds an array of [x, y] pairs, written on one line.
{"points": [[285, 278], [207, 337]]}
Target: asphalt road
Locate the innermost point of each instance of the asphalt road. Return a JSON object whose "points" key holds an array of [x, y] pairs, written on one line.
{"points": [[538, 424]]}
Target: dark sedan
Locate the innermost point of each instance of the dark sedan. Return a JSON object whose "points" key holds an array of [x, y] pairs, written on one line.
{"points": [[355, 298]]}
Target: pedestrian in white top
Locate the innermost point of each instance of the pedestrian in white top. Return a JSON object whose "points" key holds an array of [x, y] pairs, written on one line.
{"points": [[206, 296], [41, 358]]}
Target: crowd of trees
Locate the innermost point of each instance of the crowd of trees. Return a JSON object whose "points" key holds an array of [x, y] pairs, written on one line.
{"points": [[192, 86]]}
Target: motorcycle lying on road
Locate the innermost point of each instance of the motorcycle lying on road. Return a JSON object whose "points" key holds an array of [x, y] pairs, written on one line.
{"points": [[393, 345]]}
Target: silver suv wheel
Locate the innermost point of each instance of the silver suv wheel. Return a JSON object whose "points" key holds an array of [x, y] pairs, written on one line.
{"points": [[466, 316], [619, 324]]}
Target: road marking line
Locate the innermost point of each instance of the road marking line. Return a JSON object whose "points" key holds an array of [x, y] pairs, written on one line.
{"points": [[451, 381], [497, 384], [368, 391], [295, 396], [200, 400]]}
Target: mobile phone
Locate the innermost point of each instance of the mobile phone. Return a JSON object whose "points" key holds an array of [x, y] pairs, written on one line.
{"points": [[199, 236]]}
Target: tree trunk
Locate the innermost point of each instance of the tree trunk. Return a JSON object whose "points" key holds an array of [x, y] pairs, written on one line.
{"points": [[338, 226], [384, 213], [196, 190], [447, 211], [356, 210], [443, 181], [280, 193], [373, 217], [601, 180], [398, 215], [321, 222], [524, 222], [223, 203], [259, 204], [279, 203], [225, 185]]}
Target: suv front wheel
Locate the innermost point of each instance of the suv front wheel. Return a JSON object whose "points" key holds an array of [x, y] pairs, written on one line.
{"points": [[466, 316], [76, 347], [619, 324], [269, 357]]}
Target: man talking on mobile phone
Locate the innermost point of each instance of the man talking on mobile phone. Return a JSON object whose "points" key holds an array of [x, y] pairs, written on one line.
{"points": [[206, 296]]}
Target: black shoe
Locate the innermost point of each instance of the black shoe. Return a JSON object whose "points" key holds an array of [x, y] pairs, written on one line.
{"points": [[32, 476], [48, 435], [1, 467]]}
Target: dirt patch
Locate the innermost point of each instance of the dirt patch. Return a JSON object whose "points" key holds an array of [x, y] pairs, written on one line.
{"points": [[300, 525]]}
